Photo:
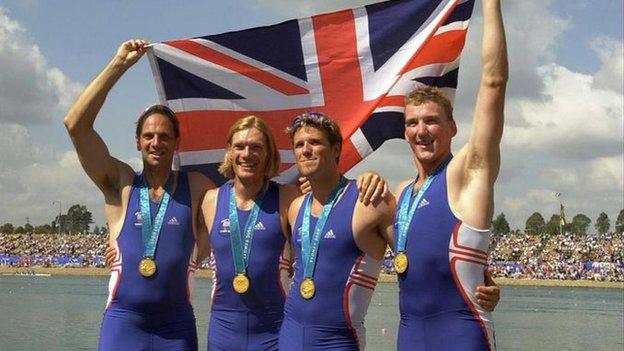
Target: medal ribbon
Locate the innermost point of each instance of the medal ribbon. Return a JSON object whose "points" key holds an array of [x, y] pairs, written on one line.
{"points": [[409, 203], [240, 252], [309, 248], [150, 232]]}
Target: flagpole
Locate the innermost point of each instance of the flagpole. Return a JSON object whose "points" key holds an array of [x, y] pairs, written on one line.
{"points": [[558, 195]]}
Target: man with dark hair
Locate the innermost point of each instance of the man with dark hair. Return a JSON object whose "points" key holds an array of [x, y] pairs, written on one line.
{"points": [[338, 243], [444, 215], [154, 220]]}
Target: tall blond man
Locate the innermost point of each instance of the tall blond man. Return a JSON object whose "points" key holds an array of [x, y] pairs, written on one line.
{"points": [[444, 215]]}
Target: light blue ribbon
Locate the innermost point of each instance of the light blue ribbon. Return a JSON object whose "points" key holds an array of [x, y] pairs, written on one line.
{"points": [[151, 232], [309, 249], [409, 204], [241, 252]]}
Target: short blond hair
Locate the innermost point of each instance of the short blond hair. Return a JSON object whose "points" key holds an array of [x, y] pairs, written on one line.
{"points": [[430, 94], [273, 157]]}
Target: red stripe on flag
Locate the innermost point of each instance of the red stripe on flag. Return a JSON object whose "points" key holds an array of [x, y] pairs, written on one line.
{"points": [[441, 48], [394, 100], [203, 130], [349, 156], [339, 65], [272, 81]]}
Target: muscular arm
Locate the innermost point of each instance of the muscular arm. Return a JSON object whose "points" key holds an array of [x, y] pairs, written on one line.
{"points": [[103, 169], [200, 185], [487, 128], [372, 226], [475, 169], [288, 193], [208, 212]]}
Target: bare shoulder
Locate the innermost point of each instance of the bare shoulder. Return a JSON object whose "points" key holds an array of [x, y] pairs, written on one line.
{"points": [[288, 193], [210, 198], [294, 207], [199, 182], [402, 185], [114, 191]]}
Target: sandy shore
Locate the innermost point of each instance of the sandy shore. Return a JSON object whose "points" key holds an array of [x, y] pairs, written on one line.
{"points": [[386, 278]]}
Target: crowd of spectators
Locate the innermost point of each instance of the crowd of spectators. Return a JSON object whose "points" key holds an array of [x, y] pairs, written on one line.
{"points": [[48, 250], [563, 257], [515, 255]]}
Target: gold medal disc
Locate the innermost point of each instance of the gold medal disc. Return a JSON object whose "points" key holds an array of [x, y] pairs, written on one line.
{"points": [[147, 267], [400, 262], [240, 283], [307, 288]]}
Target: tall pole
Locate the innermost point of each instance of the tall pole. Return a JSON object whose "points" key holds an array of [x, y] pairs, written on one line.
{"points": [[58, 224], [558, 195]]}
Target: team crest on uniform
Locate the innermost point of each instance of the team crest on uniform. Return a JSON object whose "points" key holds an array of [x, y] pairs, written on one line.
{"points": [[225, 226], [138, 219]]}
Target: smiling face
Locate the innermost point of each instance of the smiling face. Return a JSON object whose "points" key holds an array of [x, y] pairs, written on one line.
{"points": [[248, 154], [314, 154], [157, 141], [428, 131]]}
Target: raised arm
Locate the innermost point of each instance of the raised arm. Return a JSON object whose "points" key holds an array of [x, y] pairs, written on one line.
{"points": [[103, 169], [474, 170], [483, 151]]}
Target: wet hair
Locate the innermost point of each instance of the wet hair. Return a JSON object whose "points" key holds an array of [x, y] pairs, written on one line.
{"points": [[163, 110], [273, 157], [430, 94]]}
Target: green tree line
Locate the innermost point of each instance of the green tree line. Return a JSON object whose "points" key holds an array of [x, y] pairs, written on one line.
{"points": [[78, 219], [580, 224]]}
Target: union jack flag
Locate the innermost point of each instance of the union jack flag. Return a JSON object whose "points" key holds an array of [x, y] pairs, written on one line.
{"points": [[354, 65]]}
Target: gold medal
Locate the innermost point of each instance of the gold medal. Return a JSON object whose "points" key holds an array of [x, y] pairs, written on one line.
{"points": [[400, 262], [307, 288], [147, 267], [240, 283]]}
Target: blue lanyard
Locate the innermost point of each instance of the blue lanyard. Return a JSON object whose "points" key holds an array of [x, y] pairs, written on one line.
{"points": [[240, 252], [309, 249], [409, 203], [150, 232]]}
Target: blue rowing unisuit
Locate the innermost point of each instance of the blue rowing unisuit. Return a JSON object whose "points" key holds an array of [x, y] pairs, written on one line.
{"points": [[248, 321], [447, 259], [344, 280], [153, 313]]}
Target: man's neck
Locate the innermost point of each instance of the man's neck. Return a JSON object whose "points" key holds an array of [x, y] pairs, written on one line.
{"points": [[323, 187], [247, 190], [156, 178], [426, 169]]}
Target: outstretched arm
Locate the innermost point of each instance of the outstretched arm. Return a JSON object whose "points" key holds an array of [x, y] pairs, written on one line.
{"points": [[483, 152], [474, 170], [103, 169]]}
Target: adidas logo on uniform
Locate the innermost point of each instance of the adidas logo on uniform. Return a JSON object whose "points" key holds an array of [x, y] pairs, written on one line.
{"points": [[173, 221], [330, 234], [423, 203], [259, 226]]}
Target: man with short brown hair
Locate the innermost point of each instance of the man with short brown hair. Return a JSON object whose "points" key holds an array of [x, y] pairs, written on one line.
{"points": [[444, 215]]}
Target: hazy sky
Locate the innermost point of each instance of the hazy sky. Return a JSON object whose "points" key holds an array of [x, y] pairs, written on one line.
{"points": [[565, 100]]}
